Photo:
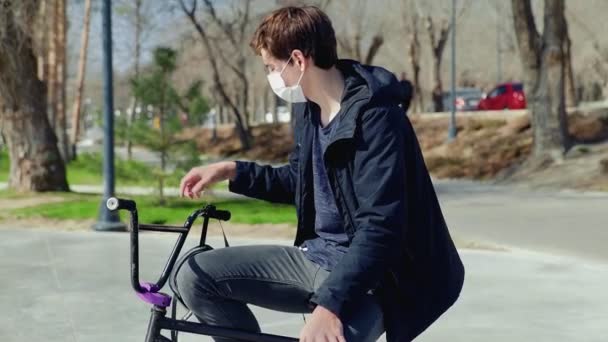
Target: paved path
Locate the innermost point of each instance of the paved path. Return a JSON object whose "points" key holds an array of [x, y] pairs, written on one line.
{"points": [[550, 284]]}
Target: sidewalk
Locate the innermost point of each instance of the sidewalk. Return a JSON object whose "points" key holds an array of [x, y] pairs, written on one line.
{"points": [[74, 286]]}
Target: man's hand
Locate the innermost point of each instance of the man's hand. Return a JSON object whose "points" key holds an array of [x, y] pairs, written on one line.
{"points": [[199, 178], [323, 326]]}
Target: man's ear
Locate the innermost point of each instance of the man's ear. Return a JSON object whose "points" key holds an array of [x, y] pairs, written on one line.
{"points": [[299, 59]]}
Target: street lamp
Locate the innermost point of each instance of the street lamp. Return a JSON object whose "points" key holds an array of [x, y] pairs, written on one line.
{"points": [[107, 220]]}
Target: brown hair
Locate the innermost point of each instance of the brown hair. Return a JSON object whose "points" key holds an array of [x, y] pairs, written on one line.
{"points": [[306, 28]]}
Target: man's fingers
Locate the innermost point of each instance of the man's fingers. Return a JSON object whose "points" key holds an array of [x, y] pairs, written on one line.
{"points": [[198, 187], [184, 182]]}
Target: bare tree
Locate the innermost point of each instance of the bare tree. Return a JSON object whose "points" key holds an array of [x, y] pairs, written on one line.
{"points": [[543, 61], [352, 38], [36, 164], [82, 63], [322, 4], [140, 16], [42, 40], [61, 76], [56, 73], [226, 50], [51, 80], [438, 37], [571, 98], [411, 26], [438, 28]]}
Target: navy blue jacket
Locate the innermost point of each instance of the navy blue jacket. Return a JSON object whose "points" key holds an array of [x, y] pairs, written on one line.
{"points": [[398, 236]]}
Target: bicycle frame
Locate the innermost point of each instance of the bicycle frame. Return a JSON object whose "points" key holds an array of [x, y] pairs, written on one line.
{"points": [[149, 292]]}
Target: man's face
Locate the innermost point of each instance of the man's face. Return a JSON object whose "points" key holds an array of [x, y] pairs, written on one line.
{"points": [[290, 74]]}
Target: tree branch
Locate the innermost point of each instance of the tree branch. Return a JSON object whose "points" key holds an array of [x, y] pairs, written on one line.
{"points": [[223, 26], [528, 38]]}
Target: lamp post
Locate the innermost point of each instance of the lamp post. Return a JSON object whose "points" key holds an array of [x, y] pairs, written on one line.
{"points": [[108, 220]]}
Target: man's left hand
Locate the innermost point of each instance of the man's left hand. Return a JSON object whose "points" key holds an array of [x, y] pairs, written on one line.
{"points": [[323, 326]]}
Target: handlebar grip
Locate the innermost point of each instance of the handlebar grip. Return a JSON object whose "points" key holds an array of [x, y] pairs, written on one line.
{"points": [[223, 215], [114, 203]]}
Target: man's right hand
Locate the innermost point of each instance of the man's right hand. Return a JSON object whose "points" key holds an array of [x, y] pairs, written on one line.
{"points": [[200, 178]]}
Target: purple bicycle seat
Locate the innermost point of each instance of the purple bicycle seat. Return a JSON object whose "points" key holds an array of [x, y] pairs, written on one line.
{"points": [[152, 296]]}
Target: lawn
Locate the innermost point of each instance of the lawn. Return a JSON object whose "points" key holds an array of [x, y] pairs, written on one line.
{"points": [[4, 165], [87, 170], [175, 211]]}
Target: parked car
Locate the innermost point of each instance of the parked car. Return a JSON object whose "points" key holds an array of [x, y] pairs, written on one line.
{"points": [[504, 96], [466, 99]]}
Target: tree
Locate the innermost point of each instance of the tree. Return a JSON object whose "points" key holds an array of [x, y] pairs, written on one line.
{"points": [[155, 89], [438, 39], [82, 63], [411, 27], [55, 23], [227, 49], [351, 39], [36, 164], [571, 97], [141, 18], [543, 62], [61, 75], [438, 28]]}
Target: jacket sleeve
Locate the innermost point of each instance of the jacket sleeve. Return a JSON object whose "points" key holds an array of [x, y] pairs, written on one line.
{"points": [[379, 183], [265, 182]]}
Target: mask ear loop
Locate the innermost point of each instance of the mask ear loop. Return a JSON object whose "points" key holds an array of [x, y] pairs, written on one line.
{"points": [[301, 74], [300, 79], [285, 66]]}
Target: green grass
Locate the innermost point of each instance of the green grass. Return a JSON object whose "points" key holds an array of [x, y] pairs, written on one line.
{"points": [[4, 165], [175, 211], [87, 170]]}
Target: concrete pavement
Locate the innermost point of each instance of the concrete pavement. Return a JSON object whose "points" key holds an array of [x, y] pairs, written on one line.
{"points": [[557, 222], [74, 286]]}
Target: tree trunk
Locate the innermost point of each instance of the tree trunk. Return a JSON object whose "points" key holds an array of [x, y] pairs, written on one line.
{"points": [[571, 97], [438, 85], [131, 117], [544, 66], [236, 107], [51, 80], [437, 46], [60, 91], [165, 145], [36, 164], [43, 25], [414, 52], [82, 63], [373, 49], [275, 107], [222, 114]]}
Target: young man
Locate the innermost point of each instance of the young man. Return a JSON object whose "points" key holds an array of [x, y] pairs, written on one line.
{"points": [[372, 251]]}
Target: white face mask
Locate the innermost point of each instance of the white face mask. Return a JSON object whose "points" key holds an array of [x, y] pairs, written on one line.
{"points": [[293, 94]]}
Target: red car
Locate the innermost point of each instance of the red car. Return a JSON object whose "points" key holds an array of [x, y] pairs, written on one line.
{"points": [[504, 96]]}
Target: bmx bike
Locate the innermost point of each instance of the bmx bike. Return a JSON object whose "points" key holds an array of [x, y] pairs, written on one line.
{"points": [[160, 301]]}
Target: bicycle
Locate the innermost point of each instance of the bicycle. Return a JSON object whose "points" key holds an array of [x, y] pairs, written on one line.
{"points": [[150, 292]]}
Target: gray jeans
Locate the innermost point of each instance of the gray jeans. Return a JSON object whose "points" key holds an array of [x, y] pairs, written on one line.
{"points": [[217, 285]]}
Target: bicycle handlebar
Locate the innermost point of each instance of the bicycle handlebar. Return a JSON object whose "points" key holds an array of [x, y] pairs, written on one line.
{"points": [[208, 212], [114, 203]]}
